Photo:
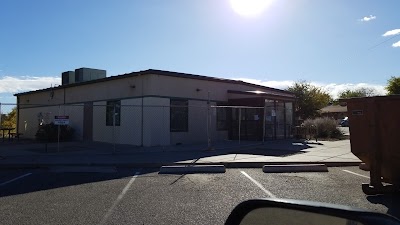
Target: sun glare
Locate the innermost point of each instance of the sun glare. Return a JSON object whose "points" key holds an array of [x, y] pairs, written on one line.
{"points": [[250, 8]]}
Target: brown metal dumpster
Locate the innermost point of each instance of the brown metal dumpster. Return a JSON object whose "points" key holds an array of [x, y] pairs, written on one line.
{"points": [[374, 124]]}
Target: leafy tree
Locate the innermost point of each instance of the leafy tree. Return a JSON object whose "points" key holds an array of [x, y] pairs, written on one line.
{"points": [[309, 99], [393, 86], [10, 119], [360, 92]]}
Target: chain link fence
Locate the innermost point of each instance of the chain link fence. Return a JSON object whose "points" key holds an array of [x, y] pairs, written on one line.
{"points": [[139, 122]]}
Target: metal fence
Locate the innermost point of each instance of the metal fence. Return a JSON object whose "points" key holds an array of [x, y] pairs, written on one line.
{"points": [[169, 123]]}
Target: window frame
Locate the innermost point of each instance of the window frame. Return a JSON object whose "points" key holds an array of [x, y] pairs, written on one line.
{"points": [[110, 110], [179, 106], [220, 119]]}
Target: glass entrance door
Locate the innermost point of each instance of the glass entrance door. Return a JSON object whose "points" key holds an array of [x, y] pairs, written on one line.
{"points": [[280, 120]]}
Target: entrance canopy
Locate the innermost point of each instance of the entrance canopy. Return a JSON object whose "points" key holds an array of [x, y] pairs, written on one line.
{"points": [[272, 115], [234, 94]]}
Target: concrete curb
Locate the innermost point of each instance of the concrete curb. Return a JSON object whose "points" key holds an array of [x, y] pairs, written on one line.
{"points": [[295, 168], [261, 164], [192, 169], [158, 165]]}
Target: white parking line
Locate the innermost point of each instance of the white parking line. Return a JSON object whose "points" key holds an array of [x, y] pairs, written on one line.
{"points": [[258, 185], [119, 198], [12, 180], [356, 173]]}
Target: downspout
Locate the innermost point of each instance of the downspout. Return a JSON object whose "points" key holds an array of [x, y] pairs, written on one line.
{"points": [[142, 125], [264, 121], [17, 128], [275, 125], [64, 101], [284, 120]]}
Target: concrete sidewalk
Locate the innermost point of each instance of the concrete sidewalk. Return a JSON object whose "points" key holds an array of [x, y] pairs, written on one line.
{"points": [[231, 155]]}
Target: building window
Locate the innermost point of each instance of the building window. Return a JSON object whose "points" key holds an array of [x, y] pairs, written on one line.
{"points": [[179, 115], [110, 111], [221, 118]]}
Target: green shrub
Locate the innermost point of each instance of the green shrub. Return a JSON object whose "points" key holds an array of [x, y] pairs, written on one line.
{"points": [[325, 127], [49, 132]]}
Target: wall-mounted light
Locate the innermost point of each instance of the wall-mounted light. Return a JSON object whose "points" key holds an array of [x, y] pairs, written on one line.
{"points": [[132, 86], [198, 89]]}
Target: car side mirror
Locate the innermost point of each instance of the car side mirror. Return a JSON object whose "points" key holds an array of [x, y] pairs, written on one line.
{"points": [[295, 212]]}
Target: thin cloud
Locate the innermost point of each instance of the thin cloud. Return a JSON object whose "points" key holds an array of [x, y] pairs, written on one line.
{"points": [[367, 18], [274, 84], [333, 89], [392, 32], [395, 45], [9, 84]]}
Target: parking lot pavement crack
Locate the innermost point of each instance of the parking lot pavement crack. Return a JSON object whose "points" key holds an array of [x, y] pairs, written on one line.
{"points": [[180, 177]]}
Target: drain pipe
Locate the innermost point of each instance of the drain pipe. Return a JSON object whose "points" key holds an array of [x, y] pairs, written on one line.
{"points": [[264, 122], [142, 122]]}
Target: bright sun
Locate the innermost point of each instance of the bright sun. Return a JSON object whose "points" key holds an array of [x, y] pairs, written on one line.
{"points": [[250, 8]]}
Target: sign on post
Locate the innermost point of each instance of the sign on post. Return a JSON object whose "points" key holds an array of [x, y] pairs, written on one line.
{"points": [[61, 120]]}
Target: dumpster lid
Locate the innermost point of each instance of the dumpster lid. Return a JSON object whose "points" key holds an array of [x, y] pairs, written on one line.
{"points": [[343, 101]]}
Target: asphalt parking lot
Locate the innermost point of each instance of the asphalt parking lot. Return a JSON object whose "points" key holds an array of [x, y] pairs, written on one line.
{"points": [[143, 196]]}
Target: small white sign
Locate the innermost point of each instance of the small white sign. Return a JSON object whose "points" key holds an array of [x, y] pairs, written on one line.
{"points": [[273, 112], [61, 120]]}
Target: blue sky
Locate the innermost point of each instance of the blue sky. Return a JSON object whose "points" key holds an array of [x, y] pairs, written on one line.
{"points": [[330, 43]]}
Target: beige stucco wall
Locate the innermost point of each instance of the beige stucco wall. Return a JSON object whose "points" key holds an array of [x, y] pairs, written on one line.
{"points": [[129, 87], [29, 118], [187, 88], [156, 128], [197, 127], [216, 135], [129, 132], [156, 122], [75, 113], [146, 85], [42, 98], [197, 130]]}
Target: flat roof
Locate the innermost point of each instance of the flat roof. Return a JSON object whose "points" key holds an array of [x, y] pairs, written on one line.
{"points": [[263, 94], [155, 72]]}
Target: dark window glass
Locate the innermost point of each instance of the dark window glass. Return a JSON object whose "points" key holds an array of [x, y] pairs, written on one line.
{"points": [[110, 111], [179, 115], [221, 118]]}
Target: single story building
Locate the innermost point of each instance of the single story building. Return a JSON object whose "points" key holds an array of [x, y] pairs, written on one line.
{"points": [[155, 108], [334, 111]]}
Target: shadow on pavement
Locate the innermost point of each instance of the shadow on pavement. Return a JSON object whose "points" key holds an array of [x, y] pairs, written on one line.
{"points": [[45, 179], [391, 201], [278, 148], [267, 152], [42, 180]]}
